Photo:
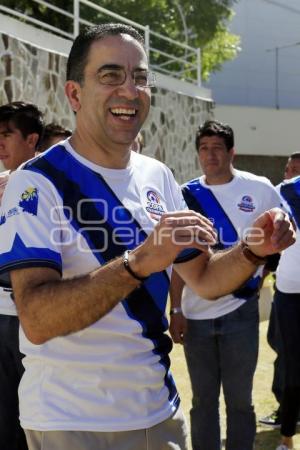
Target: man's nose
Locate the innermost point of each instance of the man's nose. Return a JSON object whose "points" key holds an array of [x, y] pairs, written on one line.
{"points": [[211, 152], [129, 89]]}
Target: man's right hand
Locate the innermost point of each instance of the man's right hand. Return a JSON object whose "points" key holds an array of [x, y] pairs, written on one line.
{"points": [[175, 232], [178, 327]]}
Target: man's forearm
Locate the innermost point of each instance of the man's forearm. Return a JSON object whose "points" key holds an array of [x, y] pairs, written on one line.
{"points": [[56, 307], [224, 272], [270, 233], [176, 288]]}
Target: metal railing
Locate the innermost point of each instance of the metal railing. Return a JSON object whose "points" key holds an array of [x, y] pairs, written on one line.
{"points": [[166, 55]]}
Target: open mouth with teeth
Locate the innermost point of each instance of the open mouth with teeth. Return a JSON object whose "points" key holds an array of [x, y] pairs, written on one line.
{"points": [[124, 113]]}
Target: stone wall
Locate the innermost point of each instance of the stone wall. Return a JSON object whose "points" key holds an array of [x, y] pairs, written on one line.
{"points": [[31, 74], [170, 131]]}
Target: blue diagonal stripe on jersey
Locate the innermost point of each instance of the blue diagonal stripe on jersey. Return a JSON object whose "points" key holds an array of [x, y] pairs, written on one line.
{"points": [[22, 256], [76, 182], [291, 193], [202, 200]]}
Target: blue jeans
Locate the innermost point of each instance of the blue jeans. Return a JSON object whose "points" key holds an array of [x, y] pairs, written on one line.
{"points": [[223, 351], [12, 437], [287, 310], [274, 340]]}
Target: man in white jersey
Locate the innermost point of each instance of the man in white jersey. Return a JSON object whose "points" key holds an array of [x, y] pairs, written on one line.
{"points": [[90, 233], [221, 337], [291, 170], [287, 314], [21, 126]]}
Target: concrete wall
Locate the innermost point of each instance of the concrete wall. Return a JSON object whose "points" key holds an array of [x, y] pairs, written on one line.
{"points": [[264, 137]]}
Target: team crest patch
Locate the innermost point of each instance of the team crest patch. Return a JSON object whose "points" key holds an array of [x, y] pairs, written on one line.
{"points": [[29, 201], [246, 204], [154, 206]]}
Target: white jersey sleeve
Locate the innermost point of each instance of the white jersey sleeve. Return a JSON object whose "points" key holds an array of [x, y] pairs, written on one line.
{"points": [[30, 235], [272, 199]]}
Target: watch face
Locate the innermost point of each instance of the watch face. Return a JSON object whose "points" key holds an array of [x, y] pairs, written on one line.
{"points": [[177, 310]]}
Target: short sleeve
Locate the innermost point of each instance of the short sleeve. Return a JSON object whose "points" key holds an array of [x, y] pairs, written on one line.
{"points": [[28, 220], [273, 200]]}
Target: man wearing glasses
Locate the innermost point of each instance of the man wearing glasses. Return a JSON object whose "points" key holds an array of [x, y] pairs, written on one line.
{"points": [[88, 236]]}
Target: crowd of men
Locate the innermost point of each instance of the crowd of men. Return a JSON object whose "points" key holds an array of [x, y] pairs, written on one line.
{"points": [[89, 233]]}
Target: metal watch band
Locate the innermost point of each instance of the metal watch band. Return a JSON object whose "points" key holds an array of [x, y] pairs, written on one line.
{"points": [[177, 310]]}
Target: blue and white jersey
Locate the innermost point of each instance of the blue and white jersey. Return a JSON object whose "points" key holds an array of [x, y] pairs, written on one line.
{"points": [[64, 212], [7, 306], [287, 274], [232, 207]]}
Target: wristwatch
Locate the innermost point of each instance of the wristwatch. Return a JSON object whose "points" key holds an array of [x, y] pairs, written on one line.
{"points": [[129, 269], [252, 257], [177, 310]]}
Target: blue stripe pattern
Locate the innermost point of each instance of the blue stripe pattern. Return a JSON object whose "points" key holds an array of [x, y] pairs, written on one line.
{"points": [[206, 203], [75, 183], [291, 193], [202, 200], [21, 256]]}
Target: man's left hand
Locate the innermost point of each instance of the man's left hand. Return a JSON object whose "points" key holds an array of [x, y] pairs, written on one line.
{"points": [[271, 232]]}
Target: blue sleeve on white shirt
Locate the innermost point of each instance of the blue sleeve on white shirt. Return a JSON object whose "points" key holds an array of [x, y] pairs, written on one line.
{"points": [[28, 219]]}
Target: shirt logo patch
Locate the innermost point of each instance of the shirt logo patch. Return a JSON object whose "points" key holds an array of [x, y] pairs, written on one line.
{"points": [[13, 212], [29, 201], [28, 204], [246, 204], [154, 207]]}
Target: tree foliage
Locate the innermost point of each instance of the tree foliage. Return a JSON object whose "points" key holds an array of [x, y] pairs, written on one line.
{"points": [[200, 23]]}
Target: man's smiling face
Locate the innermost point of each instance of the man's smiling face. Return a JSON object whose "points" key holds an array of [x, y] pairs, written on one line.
{"points": [[113, 114]]}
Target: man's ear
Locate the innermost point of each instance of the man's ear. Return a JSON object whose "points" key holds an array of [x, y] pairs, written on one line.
{"points": [[232, 153], [32, 140], [73, 91]]}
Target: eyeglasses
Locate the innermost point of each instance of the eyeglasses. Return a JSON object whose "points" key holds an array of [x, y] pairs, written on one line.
{"points": [[117, 77]]}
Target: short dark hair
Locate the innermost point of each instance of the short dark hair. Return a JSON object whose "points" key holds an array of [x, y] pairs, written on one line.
{"points": [[295, 155], [51, 130], [215, 128], [80, 49], [26, 117]]}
